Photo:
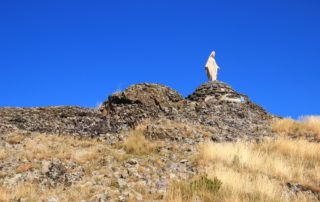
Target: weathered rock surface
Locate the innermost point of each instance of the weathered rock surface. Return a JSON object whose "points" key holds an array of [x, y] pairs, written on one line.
{"points": [[214, 105], [138, 102], [57, 120], [222, 114]]}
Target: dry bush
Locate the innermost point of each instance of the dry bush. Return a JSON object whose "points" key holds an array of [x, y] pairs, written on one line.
{"points": [[137, 144], [309, 125], [259, 172]]}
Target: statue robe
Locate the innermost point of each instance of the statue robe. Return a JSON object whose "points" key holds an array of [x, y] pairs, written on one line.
{"points": [[212, 67]]}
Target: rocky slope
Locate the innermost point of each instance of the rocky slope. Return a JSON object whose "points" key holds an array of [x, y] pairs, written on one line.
{"points": [[61, 150]]}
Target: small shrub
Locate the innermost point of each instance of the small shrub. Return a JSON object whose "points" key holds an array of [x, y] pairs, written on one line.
{"points": [[115, 184], [206, 184]]}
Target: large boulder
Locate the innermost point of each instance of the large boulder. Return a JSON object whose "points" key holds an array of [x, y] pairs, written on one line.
{"points": [[138, 102]]}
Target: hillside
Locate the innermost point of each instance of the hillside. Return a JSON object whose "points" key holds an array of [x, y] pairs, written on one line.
{"points": [[148, 143]]}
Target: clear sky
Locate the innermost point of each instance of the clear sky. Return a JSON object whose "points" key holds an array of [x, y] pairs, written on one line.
{"points": [[66, 52]]}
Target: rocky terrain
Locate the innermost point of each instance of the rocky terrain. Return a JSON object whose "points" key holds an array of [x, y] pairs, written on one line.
{"points": [[131, 148], [214, 111]]}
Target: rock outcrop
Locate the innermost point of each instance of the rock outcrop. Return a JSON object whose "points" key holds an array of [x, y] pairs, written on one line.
{"points": [[221, 112], [71, 120], [214, 111], [138, 102]]}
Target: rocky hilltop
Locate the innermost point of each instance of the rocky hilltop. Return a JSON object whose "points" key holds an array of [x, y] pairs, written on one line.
{"points": [[215, 111], [148, 143]]}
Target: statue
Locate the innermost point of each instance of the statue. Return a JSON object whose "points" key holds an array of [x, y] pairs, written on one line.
{"points": [[212, 67]]}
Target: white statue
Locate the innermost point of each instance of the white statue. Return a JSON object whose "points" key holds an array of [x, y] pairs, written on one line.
{"points": [[212, 67]]}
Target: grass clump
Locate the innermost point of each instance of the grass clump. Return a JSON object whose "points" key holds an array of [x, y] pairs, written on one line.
{"points": [[137, 144], [202, 188], [206, 184]]}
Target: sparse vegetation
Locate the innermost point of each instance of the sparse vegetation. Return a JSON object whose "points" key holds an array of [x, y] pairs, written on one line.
{"points": [[260, 171], [309, 125], [137, 144], [201, 187], [240, 171], [3, 154], [26, 166]]}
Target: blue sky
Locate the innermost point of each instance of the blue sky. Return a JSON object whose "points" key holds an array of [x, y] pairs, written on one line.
{"points": [[78, 52]]}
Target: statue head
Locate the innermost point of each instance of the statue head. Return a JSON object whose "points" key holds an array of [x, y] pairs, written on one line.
{"points": [[213, 54]]}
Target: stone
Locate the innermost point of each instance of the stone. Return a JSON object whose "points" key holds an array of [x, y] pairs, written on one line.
{"points": [[138, 102]]}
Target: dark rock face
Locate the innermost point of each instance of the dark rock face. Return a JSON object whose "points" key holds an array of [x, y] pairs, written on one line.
{"points": [[58, 120], [214, 111]]}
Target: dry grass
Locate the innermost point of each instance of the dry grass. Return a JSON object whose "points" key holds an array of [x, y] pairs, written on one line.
{"points": [[258, 172], [87, 152], [33, 193], [201, 187], [42, 146], [82, 156], [137, 144], [25, 190], [4, 196], [187, 129], [26, 166], [3, 154], [15, 138], [309, 125]]}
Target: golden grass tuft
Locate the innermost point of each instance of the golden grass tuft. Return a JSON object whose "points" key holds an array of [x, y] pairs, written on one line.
{"points": [[137, 144], [309, 125]]}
